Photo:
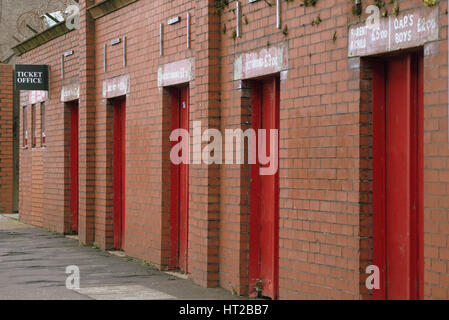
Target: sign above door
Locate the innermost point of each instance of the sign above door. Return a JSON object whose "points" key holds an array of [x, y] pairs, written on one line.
{"points": [[262, 62], [412, 28], [31, 77]]}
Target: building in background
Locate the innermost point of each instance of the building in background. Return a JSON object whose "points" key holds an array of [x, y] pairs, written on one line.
{"points": [[20, 20], [363, 142]]}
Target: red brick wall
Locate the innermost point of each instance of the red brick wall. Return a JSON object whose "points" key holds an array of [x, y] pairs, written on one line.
{"points": [[325, 167], [44, 192], [6, 141], [147, 141], [436, 165], [319, 153], [325, 158], [87, 127]]}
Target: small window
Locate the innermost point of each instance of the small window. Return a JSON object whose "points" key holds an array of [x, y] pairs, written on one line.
{"points": [[33, 125], [25, 126], [43, 133]]}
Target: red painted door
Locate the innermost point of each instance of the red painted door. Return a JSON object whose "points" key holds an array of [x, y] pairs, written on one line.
{"points": [[398, 176], [119, 108], [264, 229], [179, 186], [74, 203]]}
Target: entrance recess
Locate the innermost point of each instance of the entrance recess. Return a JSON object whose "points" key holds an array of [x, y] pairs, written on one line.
{"points": [[179, 186], [398, 176], [119, 125], [74, 162], [264, 216]]}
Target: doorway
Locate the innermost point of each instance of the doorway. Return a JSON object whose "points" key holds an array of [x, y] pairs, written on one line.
{"points": [[118, 164], [179, 185], [264, 213], [398, 176], [74, 165]]}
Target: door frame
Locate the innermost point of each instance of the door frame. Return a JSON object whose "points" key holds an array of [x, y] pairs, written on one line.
{"points": [[119, 110], [74, 165], [175, 184], [379, 198], [254, 237]]}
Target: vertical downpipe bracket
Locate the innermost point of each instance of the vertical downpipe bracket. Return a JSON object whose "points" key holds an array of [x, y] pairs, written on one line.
{"points": [[278, 14], [161, 35]]}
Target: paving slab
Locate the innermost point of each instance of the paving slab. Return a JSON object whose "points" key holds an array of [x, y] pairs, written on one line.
{"points": [[33, 265]]}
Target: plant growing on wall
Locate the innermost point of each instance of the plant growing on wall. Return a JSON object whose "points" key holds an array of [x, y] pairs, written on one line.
{"points": [[395, 7], [334, 36], [316, 21], [379, 3], [220, 6], [234, 34], [357, 8], [430, 3], [308, 3], [258, 286]]}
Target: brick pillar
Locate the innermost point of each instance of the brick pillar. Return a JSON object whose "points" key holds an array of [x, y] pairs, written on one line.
{"points": [[365, 208], [204, 179], [6, 138], [87, 125]]}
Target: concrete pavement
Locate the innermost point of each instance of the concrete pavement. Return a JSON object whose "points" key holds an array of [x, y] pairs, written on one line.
{"points": [[33, 264]]}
